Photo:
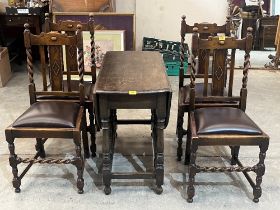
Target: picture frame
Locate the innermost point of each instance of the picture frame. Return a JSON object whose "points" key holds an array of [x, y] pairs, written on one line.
{"points": [[105, 21], [105, 40]]}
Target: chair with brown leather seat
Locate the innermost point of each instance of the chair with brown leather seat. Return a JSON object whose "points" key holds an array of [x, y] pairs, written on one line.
{"points": [[50, 118], [71, 71], [223, 123], [204, 30]]}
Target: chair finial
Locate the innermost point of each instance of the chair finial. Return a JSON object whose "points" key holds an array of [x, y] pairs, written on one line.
{"points": [[195, 29], [250, 30], [26, 26], [184, 17], [79, 27]]}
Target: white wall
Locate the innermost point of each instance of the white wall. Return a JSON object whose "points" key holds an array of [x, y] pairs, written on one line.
{"points": [[126, 6], [161, 18], [277, 7]]}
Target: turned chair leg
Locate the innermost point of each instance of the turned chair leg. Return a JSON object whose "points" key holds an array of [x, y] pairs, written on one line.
{"points": [[13, 163], [79, 163], [40, 147], [188, 147], [85, 137], [180, 133], [257, 190], [92, 131], [192, 173], [234, 154]]}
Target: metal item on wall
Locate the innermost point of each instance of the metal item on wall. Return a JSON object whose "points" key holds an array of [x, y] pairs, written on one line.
{"points": [[107, 21], [234, 12]]}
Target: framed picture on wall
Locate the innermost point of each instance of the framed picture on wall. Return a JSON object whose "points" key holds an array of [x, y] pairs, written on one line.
{"points": [[105, 21], [105, 40]]}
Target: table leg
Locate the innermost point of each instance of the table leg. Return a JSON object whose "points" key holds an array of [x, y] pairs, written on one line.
{"points": [[159, 159], [107, 163]]}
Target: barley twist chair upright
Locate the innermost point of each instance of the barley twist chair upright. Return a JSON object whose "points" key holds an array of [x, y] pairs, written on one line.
{"points": [[50, 118], [224, 123]]}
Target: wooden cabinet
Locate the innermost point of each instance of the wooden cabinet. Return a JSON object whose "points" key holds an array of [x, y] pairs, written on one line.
{"points": [[11, 32], [20, 20], [267, 31]]}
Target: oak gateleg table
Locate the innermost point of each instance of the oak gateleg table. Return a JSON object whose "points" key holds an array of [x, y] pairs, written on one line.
{"points": [[132, 80]]}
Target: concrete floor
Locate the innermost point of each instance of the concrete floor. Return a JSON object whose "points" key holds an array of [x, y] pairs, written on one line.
{"points": [[54, 187]]}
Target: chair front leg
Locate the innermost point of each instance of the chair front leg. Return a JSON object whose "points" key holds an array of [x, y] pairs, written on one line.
{"points": [[85, 136], [13, 162], [234, 154], [79, 163], [188, 145], [92, 131], [40, 147], [192, 172], [180, 132], [257, 191]]}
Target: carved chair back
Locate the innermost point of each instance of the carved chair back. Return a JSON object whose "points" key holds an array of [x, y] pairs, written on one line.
{"points": [[204, 30], [69, 27], [218, 95], [54, 41]]}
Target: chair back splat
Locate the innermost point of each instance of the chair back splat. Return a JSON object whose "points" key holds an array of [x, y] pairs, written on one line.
{"points": [[69, 27], [220, 94], [204, 30], [54, 42]]}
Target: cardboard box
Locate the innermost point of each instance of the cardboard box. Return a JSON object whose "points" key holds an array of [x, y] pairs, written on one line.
{"points": [[5, 67]]}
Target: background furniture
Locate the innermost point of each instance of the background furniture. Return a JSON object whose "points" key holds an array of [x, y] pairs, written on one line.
{"points": [[267, 31], [52, 118], [277, 43], [11, 32], [127, 82], [275, 62]]}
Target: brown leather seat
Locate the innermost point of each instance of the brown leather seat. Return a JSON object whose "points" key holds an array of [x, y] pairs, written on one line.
{"points": [[49, 114], [224, 120]]}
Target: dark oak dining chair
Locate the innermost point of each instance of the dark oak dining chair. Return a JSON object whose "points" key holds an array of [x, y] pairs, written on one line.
{"points": [[50, 118], [69, 27], [204, 30], [223, 122]]}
